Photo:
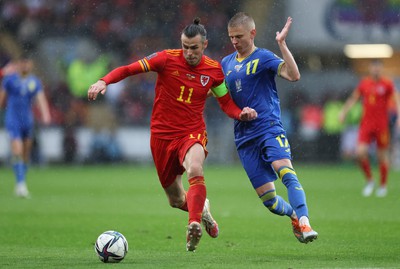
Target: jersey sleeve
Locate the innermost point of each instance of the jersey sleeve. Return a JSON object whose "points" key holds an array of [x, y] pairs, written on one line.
{"points": [[214, 69], [6, 81], [219, 76], [229, 107], [273, 62], [153, 62], [220, 90]]}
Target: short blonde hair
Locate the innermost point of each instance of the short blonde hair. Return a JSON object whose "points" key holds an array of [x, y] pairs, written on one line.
{"points": [[242, 19]]}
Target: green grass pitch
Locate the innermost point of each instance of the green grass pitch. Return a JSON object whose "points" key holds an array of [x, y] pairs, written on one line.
{"points": [[71, 206]]}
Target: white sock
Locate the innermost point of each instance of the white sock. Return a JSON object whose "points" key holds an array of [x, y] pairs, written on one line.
{"points": [[304, 221], [293, 216]]}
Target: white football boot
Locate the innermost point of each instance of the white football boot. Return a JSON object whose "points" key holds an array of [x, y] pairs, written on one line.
{"points": [[208, 221], [21, 190]]}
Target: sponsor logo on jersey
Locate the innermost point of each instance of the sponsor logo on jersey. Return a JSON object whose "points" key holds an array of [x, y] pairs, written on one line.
{"points": [[204, 80], [175, 73], [190, 76], [238, 66], [230, 71]]}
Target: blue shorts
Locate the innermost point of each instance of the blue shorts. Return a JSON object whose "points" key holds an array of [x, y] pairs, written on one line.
{"points": [[258, 154], [19, 131]]}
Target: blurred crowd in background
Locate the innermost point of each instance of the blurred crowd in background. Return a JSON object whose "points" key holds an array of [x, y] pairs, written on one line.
{"points": [[75, 42], [100, 35]]}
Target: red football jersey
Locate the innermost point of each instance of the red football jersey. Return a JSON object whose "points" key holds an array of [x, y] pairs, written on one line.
{"points": [[180, 92], [376, 97]]}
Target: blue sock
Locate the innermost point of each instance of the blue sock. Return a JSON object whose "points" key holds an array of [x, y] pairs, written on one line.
{"points": [[296, 194], [276, 204], [25, 168], [19, 170]]}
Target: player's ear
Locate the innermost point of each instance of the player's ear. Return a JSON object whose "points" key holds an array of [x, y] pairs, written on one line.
{"points": [[253, 33], [205, 43]]}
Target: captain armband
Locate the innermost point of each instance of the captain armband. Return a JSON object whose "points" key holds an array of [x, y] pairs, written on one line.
{"points": [[220, 90]]}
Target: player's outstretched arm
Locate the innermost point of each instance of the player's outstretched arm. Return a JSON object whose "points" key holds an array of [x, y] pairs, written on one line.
{"points": [[96, 88], [289, 70], [348, 105], [43, 107], [115, 76]]}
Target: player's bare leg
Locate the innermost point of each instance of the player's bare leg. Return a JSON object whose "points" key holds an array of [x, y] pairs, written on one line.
{"points": [[176, 194]]}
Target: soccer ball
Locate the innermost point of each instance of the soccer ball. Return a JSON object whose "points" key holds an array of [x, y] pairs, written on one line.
{"points": [[111, 246]]}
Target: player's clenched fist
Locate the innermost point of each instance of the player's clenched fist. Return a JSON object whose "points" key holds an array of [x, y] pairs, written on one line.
{"points": [[248, 114], [96, 88]]}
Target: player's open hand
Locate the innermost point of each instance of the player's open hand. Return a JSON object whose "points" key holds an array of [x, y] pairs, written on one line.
{"points": [[281, 36], [96, 88], [248, 114]]}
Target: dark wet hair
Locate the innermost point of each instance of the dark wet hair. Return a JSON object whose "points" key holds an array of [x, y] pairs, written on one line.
{"points": [[195, 29]]}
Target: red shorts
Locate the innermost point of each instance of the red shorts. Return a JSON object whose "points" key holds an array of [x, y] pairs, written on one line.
{"points": [[367, 134], [168, 155]]}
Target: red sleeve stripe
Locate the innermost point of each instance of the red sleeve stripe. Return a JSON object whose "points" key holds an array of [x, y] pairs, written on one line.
{"points": [[210, 62], [174, 52]]}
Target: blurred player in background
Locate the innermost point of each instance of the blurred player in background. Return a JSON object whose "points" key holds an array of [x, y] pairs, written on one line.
{"points": [[262, 144], [178, 131], [21, 89], [377, 92]]}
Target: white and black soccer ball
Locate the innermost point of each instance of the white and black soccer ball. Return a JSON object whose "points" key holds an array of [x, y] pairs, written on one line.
{"points": [[111, 247]]}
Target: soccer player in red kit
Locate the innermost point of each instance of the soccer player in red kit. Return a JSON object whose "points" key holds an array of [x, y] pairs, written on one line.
{"points": [[178, 132], [376, 92]]}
